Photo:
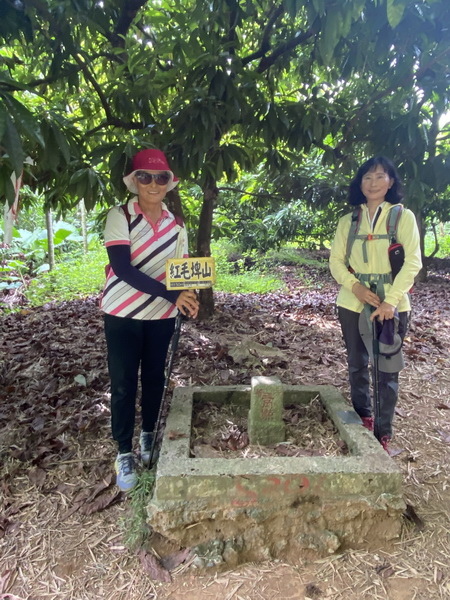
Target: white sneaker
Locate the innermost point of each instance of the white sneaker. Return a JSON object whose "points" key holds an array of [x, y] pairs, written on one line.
{"points": [[125, 466]]}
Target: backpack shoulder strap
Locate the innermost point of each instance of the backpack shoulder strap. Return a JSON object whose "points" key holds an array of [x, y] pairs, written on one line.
{"points": [[179, 221], [179, 247], [353, 232], [392, 223], [126, 212]]}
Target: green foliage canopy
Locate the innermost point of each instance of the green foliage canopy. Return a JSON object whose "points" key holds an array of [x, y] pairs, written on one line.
{"points": [[222, 86]]}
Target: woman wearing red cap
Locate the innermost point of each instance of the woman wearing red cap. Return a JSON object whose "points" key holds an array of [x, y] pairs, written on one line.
{"points": [[139, 311]]}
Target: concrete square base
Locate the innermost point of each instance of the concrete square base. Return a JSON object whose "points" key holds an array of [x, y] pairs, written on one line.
{"points": [[239, 510]]}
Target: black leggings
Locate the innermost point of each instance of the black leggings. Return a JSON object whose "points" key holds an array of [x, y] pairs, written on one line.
{"points": [[131, 344], [358, 372]]}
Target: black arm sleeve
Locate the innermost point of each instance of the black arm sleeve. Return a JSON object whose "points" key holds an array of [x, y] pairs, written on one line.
{"points": [[120, 261]]}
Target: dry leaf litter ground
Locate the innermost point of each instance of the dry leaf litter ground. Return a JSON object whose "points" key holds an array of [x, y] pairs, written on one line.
{"points": [[61, 518]]}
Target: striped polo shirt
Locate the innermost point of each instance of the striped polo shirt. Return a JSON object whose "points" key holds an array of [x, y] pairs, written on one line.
{"points": [[151, 246]]}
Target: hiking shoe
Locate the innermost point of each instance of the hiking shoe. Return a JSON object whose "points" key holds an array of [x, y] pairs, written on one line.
{"points": [[125, 466], [146, 441], [385, 443], [367, 422]]}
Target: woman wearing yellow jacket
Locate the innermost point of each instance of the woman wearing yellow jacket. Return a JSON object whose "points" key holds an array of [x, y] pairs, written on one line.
{"points": [[367, 286]]}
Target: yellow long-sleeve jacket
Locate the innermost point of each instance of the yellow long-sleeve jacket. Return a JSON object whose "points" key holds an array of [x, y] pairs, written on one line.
{"points": [[396, 293]]}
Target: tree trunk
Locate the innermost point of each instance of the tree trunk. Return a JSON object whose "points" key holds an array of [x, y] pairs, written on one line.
{"points": [[10, 212], [422, 275], [50, 245], [210, 193], [83, 226], [436, 241], [8, 223]]}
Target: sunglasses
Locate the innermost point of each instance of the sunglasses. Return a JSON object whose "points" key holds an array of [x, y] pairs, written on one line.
{"points": [[146, 178]]}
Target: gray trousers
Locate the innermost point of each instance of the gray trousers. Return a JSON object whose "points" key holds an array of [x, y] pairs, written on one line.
{"points": [[358, 373]]}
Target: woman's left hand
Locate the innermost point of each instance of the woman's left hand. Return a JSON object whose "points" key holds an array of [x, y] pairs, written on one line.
{"points": [[384, 311], [188, 304]]}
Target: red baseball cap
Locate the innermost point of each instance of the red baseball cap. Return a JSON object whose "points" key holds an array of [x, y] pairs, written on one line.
{"points": [[149, 160]]}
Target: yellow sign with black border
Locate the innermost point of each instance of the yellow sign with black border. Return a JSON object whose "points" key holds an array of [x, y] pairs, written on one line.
{"points": [[190, 273]]}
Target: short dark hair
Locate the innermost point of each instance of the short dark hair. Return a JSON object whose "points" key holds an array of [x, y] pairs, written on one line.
{"points": [[394, 194]]}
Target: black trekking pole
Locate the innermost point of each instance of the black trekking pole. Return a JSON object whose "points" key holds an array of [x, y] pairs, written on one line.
{"points": [[375, 372], [167, 372]]}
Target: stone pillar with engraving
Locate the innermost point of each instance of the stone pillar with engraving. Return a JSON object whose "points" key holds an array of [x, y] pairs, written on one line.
{"points": [[265, 417]]}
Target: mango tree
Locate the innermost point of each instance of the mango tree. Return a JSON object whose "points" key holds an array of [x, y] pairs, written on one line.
{"points": [[221, 86]]}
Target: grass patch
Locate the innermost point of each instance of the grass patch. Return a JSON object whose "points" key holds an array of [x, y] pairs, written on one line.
{"points": [[443, 241], [241, 273], [246, 283], [75, 278], [135, 528], [83, 276], [291, 256]]}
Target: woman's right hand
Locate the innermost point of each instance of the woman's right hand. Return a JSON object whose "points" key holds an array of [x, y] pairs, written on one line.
{"points": [[188, 304], [365, 296]]}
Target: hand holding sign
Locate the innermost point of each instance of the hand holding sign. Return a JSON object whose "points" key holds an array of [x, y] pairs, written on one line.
{"points": [[187, 303]]}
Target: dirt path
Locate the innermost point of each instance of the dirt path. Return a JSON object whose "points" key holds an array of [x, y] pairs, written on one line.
{"points": [[61, 519]]}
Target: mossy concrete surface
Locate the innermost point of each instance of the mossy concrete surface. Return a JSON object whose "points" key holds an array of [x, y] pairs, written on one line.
{"points": [[237, 510]]}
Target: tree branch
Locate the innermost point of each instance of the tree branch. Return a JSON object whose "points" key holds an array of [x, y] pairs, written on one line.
{"points": [[436, 241], [382, 93], [300, 38], [91, 79], [116, 122], [128, 13], [265, 42], [111, 120]]}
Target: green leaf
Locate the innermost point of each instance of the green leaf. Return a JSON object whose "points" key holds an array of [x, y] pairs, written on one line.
{"points": [[291, 7], [61, 142], [77, 176], [61, 235], [319, 6], [3, 114], [43, 268], [73, 79], [56, 148], [218, 84], [92, 177], [24, 118], [317, 129], [11, 83], [394, 12], [330, 34], [13, 146]]}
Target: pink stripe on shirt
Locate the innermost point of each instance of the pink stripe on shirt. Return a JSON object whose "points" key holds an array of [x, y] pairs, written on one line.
{"points": [[127, 302], [167, 313], [152, 240], [118, 243]]}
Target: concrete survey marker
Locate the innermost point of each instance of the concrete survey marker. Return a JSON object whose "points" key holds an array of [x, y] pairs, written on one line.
{"points": [[265, 417], [249, 509]]}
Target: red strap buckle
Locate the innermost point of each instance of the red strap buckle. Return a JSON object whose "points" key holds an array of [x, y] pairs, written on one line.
{"points": [[370, 236]]}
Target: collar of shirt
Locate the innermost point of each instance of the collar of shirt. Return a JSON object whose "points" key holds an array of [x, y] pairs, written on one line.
{"points": [[164, 214], [377, 213]]}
